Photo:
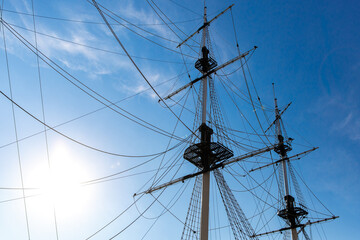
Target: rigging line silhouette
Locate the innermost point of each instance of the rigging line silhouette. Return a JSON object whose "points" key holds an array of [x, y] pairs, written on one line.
{"points": [[239, 131], [19, 198], [43, 114], [128, 22], [267, 224], [168, 170], [78, 142], [252, 192], [30, 47], [135, 65], [313, 193], [181, 191], [226, 136], [114, 219], [137, 218], [191, 111], [188, 9], [228, 80], [198, 44], [247, 85], [15, 129], [89, 113], [237, 69], [177, 122], [268, 208], [247, 66], [87, 183], [312, 210], [156, 43], [248, 173], [263, 219], [186, 67], [92, 22], [170, 167], [96, 180], [155, 200], [176, 157], [243, 116], [252, 102], [313, 204], [240, 137], [168, 209], [252, 188], [177, 102], [105, 179], [215, 203], [19, 188], [123, 171]]}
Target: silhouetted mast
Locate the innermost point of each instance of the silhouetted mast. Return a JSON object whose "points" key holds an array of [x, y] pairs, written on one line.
{"points": [[204, 66], [207, 155], [290, 214]]}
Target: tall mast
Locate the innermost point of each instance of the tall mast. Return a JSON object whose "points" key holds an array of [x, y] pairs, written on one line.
{"points": [[290, 214], [208, 155], [282, 150], [283, 154], [204, 220], [205, 56]]}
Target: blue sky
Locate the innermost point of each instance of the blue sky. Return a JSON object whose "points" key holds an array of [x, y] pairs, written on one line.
{"points": [[309, 49]]}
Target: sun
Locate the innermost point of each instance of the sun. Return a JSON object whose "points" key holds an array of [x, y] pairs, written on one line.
{"points": [[59, 184]]}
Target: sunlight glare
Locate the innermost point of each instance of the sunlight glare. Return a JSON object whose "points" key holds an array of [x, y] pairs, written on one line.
{"points": [[60, 185]]}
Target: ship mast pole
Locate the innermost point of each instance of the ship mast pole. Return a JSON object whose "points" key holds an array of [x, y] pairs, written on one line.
{"points": [[282, 150], [204, 221], [204, 92], [283, 154]]}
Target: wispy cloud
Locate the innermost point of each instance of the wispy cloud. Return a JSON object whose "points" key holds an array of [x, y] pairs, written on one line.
{"points": [[338, 104], [340, 113], [74, 57], [341, 170], [138, 84], [349, 125], [147, 16], [345, 121], [95, 64]]}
